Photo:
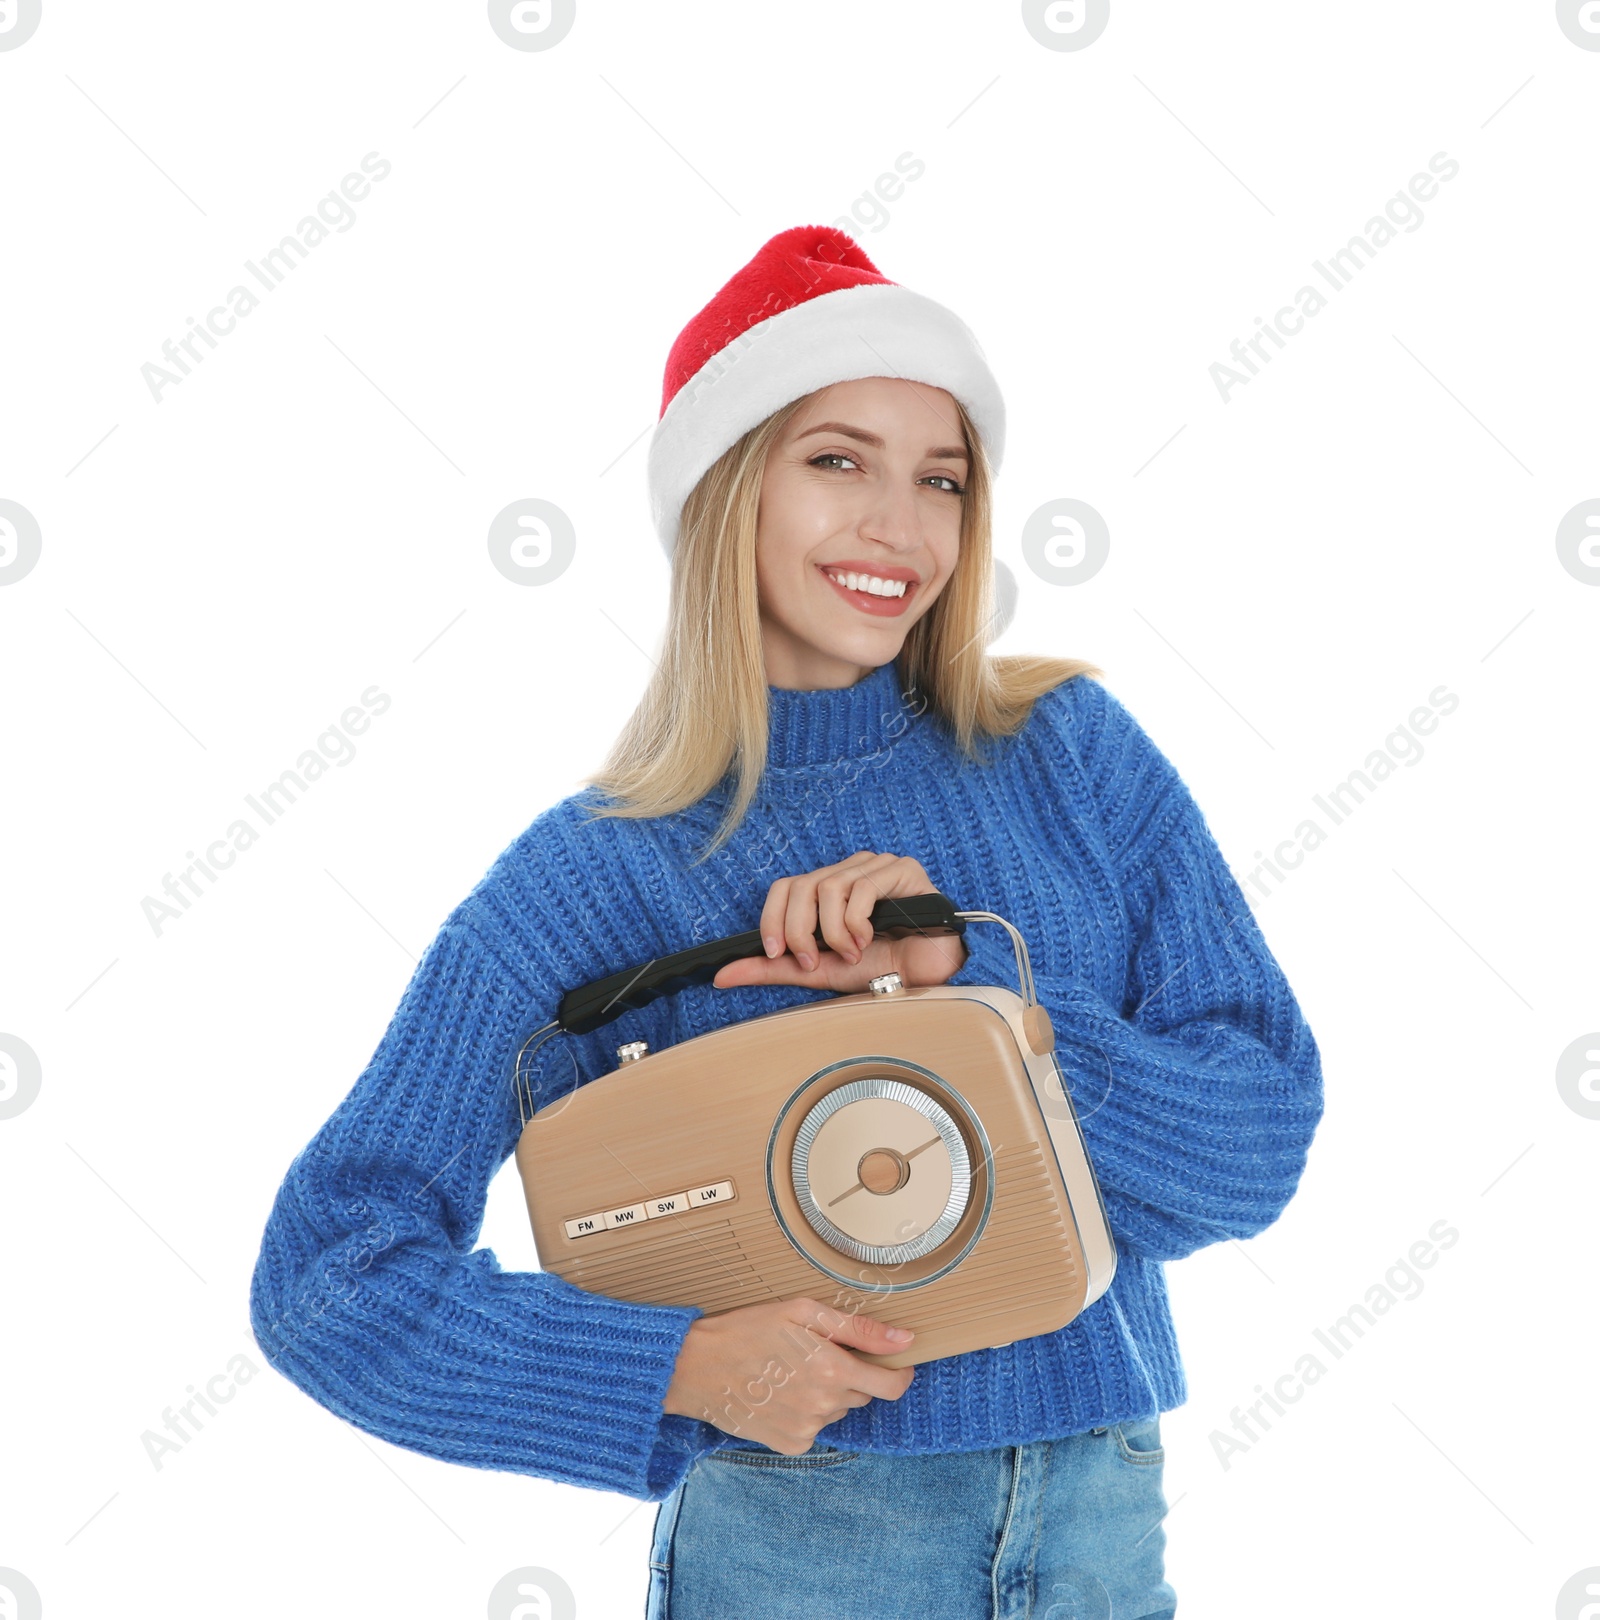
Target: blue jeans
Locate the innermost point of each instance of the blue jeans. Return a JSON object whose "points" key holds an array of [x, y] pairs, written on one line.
{"points": [[1054, 1530]]}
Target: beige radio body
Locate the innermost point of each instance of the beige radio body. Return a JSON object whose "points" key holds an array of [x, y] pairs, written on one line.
{"points": [[907, 1153]]}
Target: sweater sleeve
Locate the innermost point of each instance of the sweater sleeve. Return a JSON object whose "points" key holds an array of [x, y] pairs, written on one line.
{"points": [[1198, 1097], [369, 1295]]}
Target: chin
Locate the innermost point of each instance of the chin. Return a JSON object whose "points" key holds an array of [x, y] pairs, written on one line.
{"points": [[864, 641]]}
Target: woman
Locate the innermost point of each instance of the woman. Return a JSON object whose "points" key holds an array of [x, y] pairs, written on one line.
{"points": [[824, 730]]}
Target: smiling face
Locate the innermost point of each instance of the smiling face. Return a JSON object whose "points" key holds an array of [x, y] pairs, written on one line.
{"points": [[858, 529]]}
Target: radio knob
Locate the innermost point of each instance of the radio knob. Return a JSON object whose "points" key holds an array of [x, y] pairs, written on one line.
{"points": [[632, 1051], [886, 984]]}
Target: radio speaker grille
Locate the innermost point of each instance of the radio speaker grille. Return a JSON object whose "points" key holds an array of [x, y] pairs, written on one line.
{"points": [[743, 1259]]}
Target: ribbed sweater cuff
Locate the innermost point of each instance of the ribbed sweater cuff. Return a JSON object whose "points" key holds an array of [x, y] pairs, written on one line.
{"points": [[606, 1429]]}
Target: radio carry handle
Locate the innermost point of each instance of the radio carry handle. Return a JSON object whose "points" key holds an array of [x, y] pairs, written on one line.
{"points": [[592, 1006]]}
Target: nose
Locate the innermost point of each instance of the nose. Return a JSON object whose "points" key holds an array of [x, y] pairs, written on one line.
{"points": [[891, 516]]}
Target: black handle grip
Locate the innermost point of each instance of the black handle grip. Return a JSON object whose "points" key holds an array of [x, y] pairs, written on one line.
{"points": [[594, 1005]]}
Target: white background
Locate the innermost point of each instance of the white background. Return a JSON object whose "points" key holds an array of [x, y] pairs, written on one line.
{"points": [[225, 571]]}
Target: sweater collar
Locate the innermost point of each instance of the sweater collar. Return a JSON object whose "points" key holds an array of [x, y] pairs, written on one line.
{"points": [[820, 727]]}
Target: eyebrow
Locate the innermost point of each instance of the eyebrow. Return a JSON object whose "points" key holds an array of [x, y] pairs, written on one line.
{"points": [[956, 452]]}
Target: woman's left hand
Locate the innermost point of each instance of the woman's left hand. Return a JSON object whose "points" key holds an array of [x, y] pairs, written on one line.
{"points": [[840, 899]]}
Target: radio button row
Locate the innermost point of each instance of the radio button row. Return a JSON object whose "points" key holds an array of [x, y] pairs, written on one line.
{"points": [[716, 1192]]}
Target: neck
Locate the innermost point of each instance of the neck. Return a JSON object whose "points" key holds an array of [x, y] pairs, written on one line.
{"points": [[825, 725], [800, 667]]}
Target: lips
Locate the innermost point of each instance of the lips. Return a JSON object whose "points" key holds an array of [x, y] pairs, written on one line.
{"points": [[878, 607]]}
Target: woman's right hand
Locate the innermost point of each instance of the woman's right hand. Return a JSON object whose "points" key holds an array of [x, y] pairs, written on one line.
{"points": [[778, 1372], [839, 899]]}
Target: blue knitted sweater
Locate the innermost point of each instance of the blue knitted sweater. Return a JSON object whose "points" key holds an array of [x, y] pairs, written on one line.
{"points": [[1195, 1077]]}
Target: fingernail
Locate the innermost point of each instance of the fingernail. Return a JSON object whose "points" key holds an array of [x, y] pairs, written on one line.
{"points": [[901, 1334], [807, 961], [770, 943]]}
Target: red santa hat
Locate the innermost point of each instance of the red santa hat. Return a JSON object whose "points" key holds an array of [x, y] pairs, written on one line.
{"points": [[810, 309]]}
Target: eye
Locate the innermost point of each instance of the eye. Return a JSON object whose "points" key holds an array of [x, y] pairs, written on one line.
{"points": [[955, 488], [831, 455]]}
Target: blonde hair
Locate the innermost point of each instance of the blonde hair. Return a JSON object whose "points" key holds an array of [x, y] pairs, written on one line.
{"points": [[705, 707]]}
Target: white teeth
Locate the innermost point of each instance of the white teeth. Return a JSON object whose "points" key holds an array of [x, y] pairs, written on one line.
{"points": [[870, 583]]}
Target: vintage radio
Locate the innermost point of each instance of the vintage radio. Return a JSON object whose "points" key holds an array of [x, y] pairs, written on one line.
{"points": [[910, 1153]]}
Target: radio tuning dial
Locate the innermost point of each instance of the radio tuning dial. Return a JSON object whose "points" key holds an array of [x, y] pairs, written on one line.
{"points": [[631, 1052], [880, 1170], [886, 984]]}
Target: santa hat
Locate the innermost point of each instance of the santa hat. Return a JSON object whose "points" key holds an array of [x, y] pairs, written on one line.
{"points": [[810, 309]]}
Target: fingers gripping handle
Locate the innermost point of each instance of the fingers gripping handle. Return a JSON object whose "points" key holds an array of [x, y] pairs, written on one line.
{"points": [[593, 1005]]}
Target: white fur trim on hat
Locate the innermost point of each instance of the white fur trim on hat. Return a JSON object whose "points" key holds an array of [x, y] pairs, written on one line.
{"points": [[866, 331]]}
